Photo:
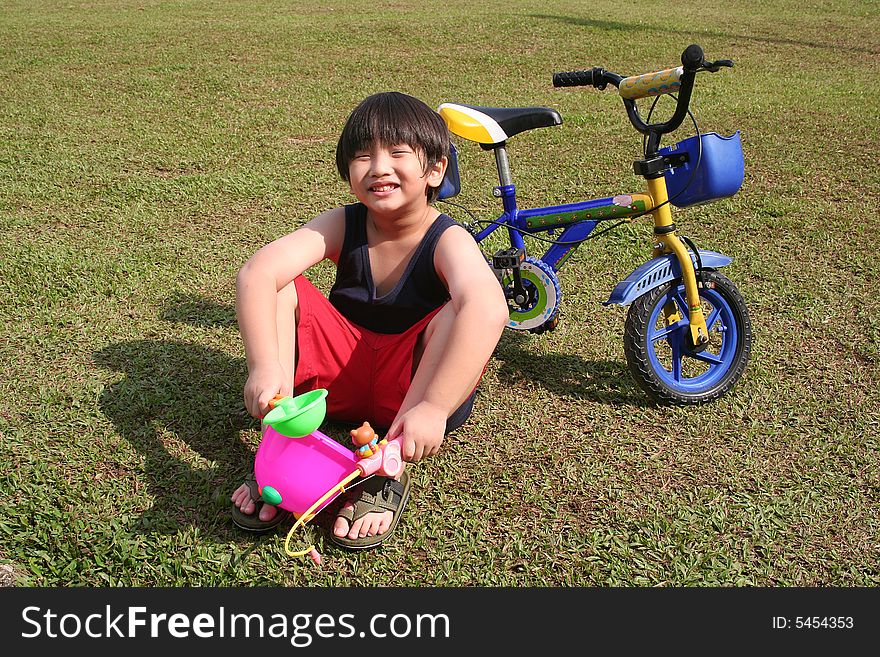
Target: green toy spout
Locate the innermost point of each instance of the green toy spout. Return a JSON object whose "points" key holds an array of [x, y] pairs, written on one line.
{"points": [[298, 416]]}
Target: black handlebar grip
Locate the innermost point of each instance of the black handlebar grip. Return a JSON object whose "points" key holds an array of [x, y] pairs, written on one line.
{"points": [[573, 79], [692, 57]]}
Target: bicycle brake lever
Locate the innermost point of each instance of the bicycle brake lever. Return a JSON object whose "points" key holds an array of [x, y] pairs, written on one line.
{"points": [[714, 67]]}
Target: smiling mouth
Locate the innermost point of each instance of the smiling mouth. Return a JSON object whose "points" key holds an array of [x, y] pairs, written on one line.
{"points": [[387, 187]]}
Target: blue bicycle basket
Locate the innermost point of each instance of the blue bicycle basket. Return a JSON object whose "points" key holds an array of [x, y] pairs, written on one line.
{"points": [[715, 173]]}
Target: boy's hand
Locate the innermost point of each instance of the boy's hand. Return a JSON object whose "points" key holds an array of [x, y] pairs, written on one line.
{"points": [[422, 427], [262, 385]]}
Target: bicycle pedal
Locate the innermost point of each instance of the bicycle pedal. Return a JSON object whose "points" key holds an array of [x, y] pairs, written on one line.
{"points": [[508, 258]]}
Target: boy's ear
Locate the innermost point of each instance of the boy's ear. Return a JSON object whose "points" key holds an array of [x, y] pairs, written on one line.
{"points": [[436, 172]]}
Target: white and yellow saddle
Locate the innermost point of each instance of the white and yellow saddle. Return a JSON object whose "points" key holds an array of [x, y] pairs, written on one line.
{"points": [[492, 126]]}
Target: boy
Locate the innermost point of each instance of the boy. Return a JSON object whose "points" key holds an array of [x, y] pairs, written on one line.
{"points": [[413, 317]]}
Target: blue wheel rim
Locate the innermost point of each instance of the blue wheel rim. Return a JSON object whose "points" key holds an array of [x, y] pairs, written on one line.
{"points": [[675, 363]]}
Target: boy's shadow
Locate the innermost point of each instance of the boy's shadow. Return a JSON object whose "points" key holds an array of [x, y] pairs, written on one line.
{"points": [[567, 375], [180, 406]]}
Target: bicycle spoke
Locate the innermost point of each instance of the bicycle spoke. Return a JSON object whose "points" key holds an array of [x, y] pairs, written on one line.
{"points": [[712, 318], [707, 357], [675, 345], [666, 331], [681, 301]]}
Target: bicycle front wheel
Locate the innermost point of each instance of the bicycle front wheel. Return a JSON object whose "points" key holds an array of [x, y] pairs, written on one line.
{"points": [[660, 352]]}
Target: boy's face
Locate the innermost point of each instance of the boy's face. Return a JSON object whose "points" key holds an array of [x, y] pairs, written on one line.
{"points": [[392, 179]]}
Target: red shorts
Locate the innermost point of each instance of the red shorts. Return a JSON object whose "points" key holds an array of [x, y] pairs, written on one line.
{"points": [[366, 374]]}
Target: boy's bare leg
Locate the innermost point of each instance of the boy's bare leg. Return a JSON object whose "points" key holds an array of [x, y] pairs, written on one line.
{"points": [[429, 353], [426, 356], [286, 318]]}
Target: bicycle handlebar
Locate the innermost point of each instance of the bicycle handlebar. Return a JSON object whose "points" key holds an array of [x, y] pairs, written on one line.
{"points": [[577, 78], [672, 80], [651, 84]]}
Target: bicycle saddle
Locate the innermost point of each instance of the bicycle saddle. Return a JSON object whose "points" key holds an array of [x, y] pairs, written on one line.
{"points": [[491, 126]]}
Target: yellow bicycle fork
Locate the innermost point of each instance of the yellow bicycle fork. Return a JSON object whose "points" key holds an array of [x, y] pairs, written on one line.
{"points": [[668, 242]]}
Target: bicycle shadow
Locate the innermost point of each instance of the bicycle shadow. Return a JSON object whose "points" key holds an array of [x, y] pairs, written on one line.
{"points": [[179, 406], [567, 375]]}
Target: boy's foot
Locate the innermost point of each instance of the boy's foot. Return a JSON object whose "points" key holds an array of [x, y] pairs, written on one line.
{"points": [[250, 513], [370, 518]]}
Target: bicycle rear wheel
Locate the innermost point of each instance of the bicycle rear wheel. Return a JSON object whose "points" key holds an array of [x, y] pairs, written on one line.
{"points": [[660, 352], [540, 311]]}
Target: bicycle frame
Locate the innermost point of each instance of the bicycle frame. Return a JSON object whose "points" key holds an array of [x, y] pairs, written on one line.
{"points": [[577, 220], [491, 127]]}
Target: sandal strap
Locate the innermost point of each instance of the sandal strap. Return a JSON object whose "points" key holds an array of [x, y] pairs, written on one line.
{"points": [[384, 494], [253, 488], [396, 487]]}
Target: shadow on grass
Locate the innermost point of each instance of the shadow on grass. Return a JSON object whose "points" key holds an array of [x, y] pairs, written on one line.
{"points": [[567, 375], [187, 309], [616, 26], [180, 406]]}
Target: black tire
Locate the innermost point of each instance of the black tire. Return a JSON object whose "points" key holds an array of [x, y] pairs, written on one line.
{"points": [[661, 356]]}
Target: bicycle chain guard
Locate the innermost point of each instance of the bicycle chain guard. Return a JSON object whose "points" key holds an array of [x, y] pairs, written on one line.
{"points": [[537, 308]]}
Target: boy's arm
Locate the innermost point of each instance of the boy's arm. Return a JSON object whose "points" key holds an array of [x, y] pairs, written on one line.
{"points": [[458, 349], [260, 279]]}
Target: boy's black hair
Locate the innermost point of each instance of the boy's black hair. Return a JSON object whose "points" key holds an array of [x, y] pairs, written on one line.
{"points": [[393, 118]]}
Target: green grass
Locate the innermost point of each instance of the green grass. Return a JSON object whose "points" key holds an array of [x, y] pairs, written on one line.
{"points": [[147, 149]]}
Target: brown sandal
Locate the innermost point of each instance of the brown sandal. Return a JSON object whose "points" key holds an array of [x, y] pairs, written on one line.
{"points": [[376, 494], [251, 522]]}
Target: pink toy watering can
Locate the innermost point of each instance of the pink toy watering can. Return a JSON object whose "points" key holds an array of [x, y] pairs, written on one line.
{"points": [[302, 470]]}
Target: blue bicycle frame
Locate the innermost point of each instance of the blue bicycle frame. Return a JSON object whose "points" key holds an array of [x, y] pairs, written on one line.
{"points": [[577, 221]]}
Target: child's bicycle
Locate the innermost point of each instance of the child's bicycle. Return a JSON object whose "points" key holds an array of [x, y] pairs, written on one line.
{"points": [[687, 335]]}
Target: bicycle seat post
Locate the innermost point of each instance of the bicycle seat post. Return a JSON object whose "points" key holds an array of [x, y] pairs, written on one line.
{"points": [[506, 190], [503, 163]]}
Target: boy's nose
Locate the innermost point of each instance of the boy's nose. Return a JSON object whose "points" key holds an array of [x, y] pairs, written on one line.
{"points": [[380, 164]]}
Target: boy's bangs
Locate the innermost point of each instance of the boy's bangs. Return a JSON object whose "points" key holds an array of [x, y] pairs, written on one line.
{"points": [[387, 129]]}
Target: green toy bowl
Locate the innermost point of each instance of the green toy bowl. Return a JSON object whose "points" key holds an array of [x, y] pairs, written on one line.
{"points": [[298, 416]]}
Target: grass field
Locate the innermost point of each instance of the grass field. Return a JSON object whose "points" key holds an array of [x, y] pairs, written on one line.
{"points": [[148, 148]]}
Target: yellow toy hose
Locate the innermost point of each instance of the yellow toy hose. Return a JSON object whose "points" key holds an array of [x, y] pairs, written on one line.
{"points": [[309, 514]]}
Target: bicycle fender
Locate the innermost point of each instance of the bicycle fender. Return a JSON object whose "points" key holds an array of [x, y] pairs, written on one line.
{"points": [[656, 272]]}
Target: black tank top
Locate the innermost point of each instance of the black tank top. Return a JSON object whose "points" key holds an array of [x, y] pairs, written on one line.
{"points": [[417, 293]]}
